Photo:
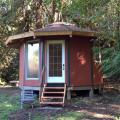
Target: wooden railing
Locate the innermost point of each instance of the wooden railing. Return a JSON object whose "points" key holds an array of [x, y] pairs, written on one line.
{"points": [[64, 94], [42, 83]]}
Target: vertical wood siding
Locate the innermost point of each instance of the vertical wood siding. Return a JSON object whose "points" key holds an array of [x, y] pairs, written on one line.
{"points": [[21, 65], [80, 62], [80, 70]]}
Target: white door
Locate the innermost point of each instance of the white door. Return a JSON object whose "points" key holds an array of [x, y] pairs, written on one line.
{"points": [[56, 61]]}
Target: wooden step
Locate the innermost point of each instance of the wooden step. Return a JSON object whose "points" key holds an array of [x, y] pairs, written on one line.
{"points": [[52, 103], [54, 87], [53, 92], [54, 97]]}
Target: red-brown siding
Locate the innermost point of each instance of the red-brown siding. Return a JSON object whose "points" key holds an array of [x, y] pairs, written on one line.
{"points": [[21, 65], [80, 62]]}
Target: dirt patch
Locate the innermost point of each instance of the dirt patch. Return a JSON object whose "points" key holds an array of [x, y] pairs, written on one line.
{"points": [[31, 113], [9, 90]]}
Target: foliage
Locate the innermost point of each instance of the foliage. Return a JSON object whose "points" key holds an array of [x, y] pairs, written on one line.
{"points": [[9, 68], [8, 103], [8, 57]]}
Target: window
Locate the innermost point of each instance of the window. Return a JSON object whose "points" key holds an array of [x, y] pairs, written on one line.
{"points": [[32, 61], [55, 60]]}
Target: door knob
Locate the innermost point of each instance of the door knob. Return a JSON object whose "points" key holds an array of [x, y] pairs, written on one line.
{"points": [[63, 66]]}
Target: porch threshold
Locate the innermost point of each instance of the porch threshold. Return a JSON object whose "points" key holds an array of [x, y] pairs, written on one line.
{"points": [[28, 87]]}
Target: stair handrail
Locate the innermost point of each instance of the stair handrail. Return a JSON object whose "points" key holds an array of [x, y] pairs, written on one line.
{"points": [[41, 83], [64, 94]]}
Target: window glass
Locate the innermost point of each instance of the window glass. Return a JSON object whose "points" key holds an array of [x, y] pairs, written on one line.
{"points": [[55, 60], [33, 60]]}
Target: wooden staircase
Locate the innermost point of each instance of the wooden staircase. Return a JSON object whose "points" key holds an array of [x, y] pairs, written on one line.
{"points": [[53, 94]]}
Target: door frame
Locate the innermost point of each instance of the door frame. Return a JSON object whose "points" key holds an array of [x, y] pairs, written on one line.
{"points": [[63, 60]]}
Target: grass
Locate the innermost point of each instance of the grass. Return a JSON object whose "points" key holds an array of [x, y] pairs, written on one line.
{"points": [[8, 103]]}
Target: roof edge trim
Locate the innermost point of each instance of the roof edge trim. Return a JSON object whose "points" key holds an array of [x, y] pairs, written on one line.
{"points": [[19, 36]]}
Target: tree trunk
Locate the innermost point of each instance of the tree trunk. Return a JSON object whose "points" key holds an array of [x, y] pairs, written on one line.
{"points": [[53, 7], [38, 5], [25, 25]]}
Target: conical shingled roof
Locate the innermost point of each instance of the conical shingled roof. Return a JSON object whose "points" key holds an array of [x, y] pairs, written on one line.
{"points": [[59, 26]]}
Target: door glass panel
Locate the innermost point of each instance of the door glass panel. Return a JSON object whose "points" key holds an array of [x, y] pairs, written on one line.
{"points": [[55, 60]]}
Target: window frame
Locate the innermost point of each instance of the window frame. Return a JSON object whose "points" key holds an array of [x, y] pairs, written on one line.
{"points": [[26, 60]]}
